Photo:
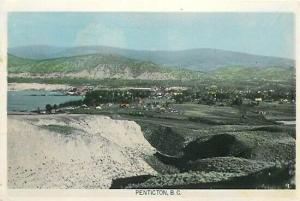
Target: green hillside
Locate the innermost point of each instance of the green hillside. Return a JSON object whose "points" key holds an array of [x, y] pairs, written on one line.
{"points": [[258, 73], [119, 65], [77, 63], [114, 64], [201, 59], [14, 61]]}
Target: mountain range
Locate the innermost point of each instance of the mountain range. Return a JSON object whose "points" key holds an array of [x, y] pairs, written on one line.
{"points": [[95, 66], [101, 66], [202, 59]]}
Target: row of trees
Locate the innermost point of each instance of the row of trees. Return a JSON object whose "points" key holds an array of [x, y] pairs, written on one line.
{"points": [[48, 108], [235, 97], [115, 96]]}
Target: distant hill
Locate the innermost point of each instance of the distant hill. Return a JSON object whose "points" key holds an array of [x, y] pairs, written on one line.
{"points": [[96, 66], [255, 73], [203, 59], [14, 61], [35, 51]]}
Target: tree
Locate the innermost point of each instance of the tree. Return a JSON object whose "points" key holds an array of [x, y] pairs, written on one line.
{"points": [[179, 98], [38, 110], [48, 108], [55, 107], [238, 101], [242, 108]]}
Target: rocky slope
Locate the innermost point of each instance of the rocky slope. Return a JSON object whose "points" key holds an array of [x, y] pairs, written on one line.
{"points": [[74, 151]]}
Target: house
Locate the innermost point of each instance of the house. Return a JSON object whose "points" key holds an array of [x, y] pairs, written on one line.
{"points": [[284, 101], [258, 99], [124, 105]]}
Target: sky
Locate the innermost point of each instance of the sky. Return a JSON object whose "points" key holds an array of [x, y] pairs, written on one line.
{"points": [[269, 34]]}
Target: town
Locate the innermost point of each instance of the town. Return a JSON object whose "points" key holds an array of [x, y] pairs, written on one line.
{"points": [[139, 101]]}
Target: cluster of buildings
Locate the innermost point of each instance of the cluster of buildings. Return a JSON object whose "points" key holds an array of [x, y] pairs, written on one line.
{"points": [[79, 91]]}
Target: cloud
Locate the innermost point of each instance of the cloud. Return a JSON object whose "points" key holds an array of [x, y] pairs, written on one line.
{"points": [[96, 33]]}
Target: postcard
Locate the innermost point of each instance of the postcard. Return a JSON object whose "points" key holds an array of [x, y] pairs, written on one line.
{"points": [[162, 102]]}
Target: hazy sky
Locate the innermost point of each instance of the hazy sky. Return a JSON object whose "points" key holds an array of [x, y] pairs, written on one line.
{"points": [[270, 34]]}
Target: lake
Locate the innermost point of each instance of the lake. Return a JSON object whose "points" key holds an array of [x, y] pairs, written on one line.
{"points": [[29, 100]]}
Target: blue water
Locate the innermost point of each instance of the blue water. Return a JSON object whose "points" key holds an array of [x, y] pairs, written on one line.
{"points": [[29, 100]]}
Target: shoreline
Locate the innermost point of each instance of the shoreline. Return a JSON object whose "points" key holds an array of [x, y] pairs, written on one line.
{"points": [[13, 86]]}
